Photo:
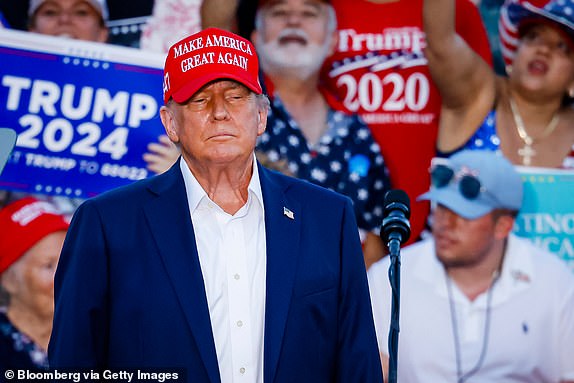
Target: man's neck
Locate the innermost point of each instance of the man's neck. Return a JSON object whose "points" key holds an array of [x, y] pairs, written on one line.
{"points": [[476, 279], [472, 286], [294, 90], [227, 185], [305, 104]]}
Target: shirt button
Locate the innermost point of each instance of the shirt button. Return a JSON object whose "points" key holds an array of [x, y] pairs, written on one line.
{"points": [[236, 276], [242, 370], [239, 323]]}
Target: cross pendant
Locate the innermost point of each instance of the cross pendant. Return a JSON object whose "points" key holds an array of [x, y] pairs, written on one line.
{"points": [[526, 153]]}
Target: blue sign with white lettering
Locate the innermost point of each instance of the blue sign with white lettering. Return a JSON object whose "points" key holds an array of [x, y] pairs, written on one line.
{"points": [[84, 113]]}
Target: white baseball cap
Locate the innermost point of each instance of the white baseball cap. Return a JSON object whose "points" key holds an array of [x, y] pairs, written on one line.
{"points": [[99, 5]]}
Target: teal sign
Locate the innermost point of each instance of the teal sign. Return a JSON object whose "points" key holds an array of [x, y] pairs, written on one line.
{"points": [[547, 215]]}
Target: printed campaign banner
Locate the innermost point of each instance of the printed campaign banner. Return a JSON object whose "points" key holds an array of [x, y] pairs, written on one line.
{"points": [[547, 215], [84, 113]]}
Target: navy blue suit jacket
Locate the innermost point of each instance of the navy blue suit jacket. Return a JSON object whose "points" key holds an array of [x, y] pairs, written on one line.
{"points": [[129, 290]]}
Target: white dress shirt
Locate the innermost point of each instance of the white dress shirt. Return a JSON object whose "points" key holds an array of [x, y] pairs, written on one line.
{"points": [[232, 255]]}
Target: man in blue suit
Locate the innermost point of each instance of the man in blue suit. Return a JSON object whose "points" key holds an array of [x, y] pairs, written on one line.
{"points": [[219, 267]]}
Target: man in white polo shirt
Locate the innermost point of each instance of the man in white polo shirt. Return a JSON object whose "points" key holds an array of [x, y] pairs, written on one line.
{"points": [[478, 304]]}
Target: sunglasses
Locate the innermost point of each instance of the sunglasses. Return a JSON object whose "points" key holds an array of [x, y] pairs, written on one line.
{"points": [[442, 174]]}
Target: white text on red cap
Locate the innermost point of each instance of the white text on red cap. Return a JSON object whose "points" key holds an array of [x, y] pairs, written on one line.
{"points": [[214, 41], [30, 212], [209, 57]]}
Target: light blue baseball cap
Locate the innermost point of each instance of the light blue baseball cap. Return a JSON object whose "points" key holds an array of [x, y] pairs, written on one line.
{"points": [[501, 186]]}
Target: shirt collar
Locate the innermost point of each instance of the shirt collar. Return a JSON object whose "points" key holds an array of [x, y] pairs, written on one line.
{"points": [[195, 193], [516, 275], [518, 270]]}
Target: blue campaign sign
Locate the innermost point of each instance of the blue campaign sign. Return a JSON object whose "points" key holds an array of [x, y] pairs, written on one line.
{"points": [[84, 113], [547, 214]]}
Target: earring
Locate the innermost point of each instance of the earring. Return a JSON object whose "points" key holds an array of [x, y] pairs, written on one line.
{"points": [[508, 69]]}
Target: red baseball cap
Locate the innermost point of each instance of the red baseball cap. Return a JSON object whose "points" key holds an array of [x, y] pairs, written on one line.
{"points": [[207, 56], [22, 224]]}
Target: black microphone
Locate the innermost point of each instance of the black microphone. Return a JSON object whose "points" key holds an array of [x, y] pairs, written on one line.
{"points": [[396, 214]]}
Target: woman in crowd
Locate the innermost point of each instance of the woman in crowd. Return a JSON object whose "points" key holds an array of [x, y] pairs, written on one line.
{"points": [[76, 19], [527, 115], [31, 239]]}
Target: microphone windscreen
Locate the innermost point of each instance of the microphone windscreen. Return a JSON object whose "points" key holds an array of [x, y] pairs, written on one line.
{"points": [[394, 197]]}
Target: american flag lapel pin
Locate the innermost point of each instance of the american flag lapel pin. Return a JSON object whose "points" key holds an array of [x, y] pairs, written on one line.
{"points": [[288, 213]]}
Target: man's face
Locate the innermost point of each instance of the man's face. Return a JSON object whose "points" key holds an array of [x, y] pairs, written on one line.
{"points": [[218, 125], [75, 19], [462, 242], [294, 34]]}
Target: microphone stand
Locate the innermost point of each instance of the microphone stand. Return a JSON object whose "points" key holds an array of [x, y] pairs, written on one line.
{"points": [[394, 246], [396, 229]]}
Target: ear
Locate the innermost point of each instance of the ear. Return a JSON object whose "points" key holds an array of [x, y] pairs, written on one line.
{"points": [[254, 36], [261, 120], [9, 280], [503, 227], [103, 35], [169, 123], [334, 42]]}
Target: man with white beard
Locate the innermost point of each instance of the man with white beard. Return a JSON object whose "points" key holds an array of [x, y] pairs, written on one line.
{"points": [[305, 130]]}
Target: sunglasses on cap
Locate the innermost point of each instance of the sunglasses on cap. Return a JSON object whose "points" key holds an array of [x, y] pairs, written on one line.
{"points": [[442, 174]]}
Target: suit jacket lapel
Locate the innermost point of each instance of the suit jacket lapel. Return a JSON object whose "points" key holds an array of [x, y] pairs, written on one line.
{"points": [[168, 216], [282, 233]]}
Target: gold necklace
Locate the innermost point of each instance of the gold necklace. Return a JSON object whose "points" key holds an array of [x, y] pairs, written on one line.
{"points": [[527, 152]]}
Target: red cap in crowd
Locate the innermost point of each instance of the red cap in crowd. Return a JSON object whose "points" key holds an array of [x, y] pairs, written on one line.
{"points": [[207, 56], [22, 224]]}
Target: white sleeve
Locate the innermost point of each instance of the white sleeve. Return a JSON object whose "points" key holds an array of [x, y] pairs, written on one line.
{"points": [[380, 290]]}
